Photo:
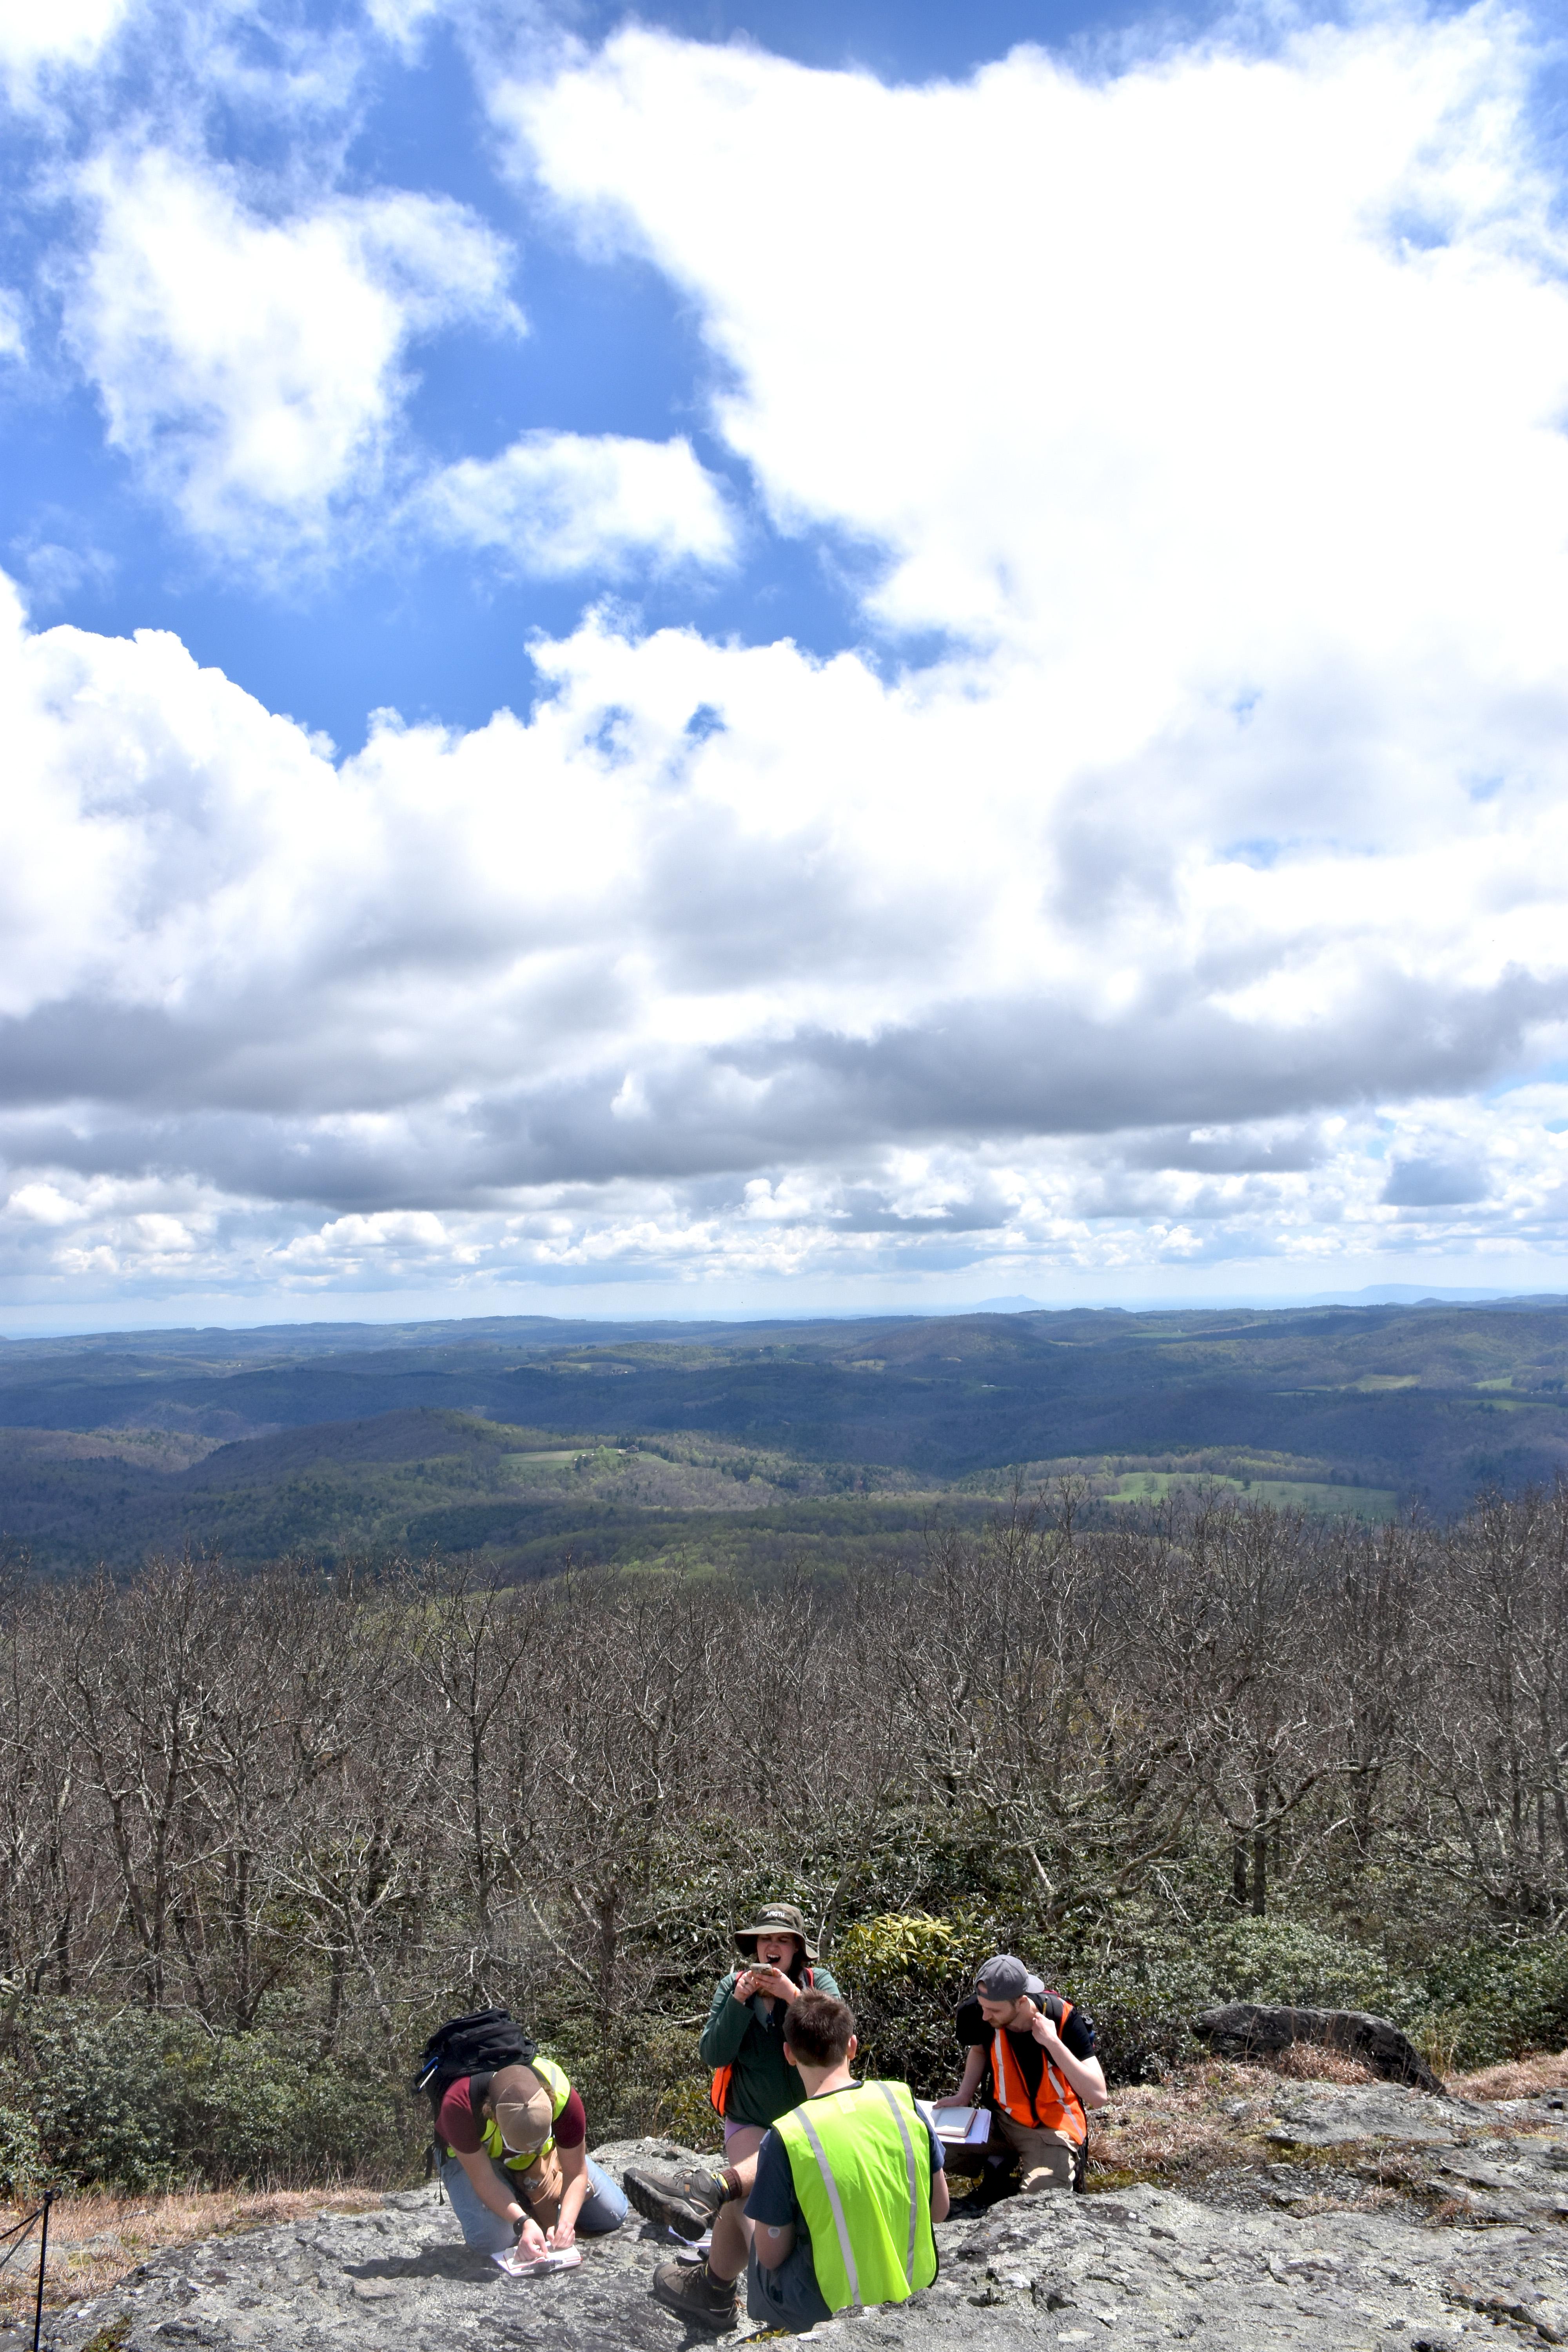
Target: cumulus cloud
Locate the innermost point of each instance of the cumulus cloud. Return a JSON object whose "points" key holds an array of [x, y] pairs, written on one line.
{"points": [[1203, 901], [592, 989], [1173, 364], [70, 34], [253, 367], [556, 503]]}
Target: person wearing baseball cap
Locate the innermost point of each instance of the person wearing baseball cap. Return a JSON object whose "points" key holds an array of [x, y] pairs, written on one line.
{"points": [[1031, 2053], [517, 2164]]}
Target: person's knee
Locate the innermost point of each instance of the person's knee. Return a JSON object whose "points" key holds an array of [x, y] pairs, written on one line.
{"points": [[598, 2218], [1049, 2170], [604, 2206]]}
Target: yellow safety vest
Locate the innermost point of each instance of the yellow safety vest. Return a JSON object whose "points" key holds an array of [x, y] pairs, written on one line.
{"points": [[860, 2162], [555, 2081]]}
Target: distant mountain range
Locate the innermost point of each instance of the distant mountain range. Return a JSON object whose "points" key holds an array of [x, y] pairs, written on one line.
{"points": [[526, 1438]]}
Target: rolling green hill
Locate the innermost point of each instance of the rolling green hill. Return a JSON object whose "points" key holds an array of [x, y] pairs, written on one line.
{"points": [[688, 1442]]}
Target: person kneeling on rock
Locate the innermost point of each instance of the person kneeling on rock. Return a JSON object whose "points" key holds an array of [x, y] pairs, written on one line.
{"points": [[842, 2194], [516, 2163], [1034, 2052]]}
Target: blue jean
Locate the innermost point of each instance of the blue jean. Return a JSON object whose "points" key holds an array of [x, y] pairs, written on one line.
{"points": [[604, 2208]]}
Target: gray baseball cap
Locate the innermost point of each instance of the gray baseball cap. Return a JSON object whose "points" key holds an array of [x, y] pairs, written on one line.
{"points": [[1007, 1979]]}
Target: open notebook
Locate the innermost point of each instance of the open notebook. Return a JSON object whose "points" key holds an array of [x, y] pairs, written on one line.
{"points": [[958, 2126], [519, 2265]]}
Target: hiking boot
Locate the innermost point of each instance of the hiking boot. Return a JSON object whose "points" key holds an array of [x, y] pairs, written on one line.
{"points": [[693, 2294], [686, 2201]]}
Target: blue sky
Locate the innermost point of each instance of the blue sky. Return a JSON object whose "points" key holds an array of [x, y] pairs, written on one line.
{"points": [[758, 661], [611, 349]]}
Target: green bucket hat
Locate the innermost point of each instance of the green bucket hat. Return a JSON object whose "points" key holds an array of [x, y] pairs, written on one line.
{"points": [[774, 1919]]}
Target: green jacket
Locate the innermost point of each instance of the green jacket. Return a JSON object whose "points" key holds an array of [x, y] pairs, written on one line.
{"points": [[764, 2086]]}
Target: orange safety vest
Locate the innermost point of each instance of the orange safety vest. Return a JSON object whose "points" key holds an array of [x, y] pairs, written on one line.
{"points": [[1056, 2105]]}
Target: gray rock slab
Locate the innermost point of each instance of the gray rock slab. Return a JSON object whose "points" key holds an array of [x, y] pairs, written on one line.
{"points": [[1333, 2116], [1142, 2268]]}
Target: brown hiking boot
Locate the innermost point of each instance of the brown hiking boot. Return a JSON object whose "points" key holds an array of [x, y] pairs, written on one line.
{"points": [[693, 2294], [686, 2201]]}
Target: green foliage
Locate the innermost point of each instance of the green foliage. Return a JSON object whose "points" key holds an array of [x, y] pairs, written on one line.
{"points": [[907, 1972], [136, 2101], [903, 1974], [23, 2171], [1491, 2001], [1142, 2004], [392, 1448], [1281, 1960]]}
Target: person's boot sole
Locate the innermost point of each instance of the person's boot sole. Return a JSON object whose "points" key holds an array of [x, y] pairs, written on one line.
{"points": [[654, 2204], [699, 2315]]}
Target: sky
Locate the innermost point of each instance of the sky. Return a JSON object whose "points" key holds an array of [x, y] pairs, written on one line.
{"points": [[780, 659]]}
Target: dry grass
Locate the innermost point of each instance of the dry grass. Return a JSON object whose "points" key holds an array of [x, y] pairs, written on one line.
{"points": [[95, 2240], [1212, 2117], [1199, 2120], [1520, 2079], [1313, 2062]]}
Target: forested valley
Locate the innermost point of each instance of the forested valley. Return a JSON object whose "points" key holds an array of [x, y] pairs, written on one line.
{"points": [[260, 1829], [751, 1446]]}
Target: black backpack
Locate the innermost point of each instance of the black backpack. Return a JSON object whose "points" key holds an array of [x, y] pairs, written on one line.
{"points": [[480, 2044]]}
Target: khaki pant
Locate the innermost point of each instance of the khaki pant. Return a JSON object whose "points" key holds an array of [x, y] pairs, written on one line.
{"points": [[1045, 2158]]}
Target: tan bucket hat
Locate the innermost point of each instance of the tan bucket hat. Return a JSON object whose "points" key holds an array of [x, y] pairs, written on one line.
{"points": [[774, 1919]]}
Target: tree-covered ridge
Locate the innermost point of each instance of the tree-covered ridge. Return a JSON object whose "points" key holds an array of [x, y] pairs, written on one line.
{"points": [[739, 1443], [285, 1820]]}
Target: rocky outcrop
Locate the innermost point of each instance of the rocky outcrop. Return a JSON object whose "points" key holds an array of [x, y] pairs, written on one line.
{"points": [[1141, 2266], [1245, 2029]]}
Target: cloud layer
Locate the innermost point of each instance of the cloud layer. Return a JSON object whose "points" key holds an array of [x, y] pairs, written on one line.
{"points": [[1201, 898]]}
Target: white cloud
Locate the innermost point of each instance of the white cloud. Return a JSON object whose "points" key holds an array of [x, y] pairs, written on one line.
{"points": [[555, 503], [12, 334], [1196, 908], [253, 368], [1145, 376], [403, 23], [66, 33], [602, 991]]}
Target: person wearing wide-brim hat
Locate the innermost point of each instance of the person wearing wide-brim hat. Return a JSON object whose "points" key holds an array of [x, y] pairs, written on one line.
{"points": [[742, 2040], [752, 2084]]}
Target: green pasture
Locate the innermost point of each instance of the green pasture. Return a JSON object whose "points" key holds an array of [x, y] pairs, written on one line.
{"points": [[1283, 1494]]}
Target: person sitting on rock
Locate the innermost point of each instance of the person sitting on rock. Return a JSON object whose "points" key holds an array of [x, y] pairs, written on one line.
{"points": [[742, 2042], [841, 2194], [517, 2165], [1033, 2051]]}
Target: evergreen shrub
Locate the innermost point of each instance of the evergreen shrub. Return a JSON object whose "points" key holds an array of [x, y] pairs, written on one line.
{"points": [[1492, 1999], [129, 2099]]}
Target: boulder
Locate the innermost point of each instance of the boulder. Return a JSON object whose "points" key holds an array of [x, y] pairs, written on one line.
{"points": [[1246, 2029]]}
